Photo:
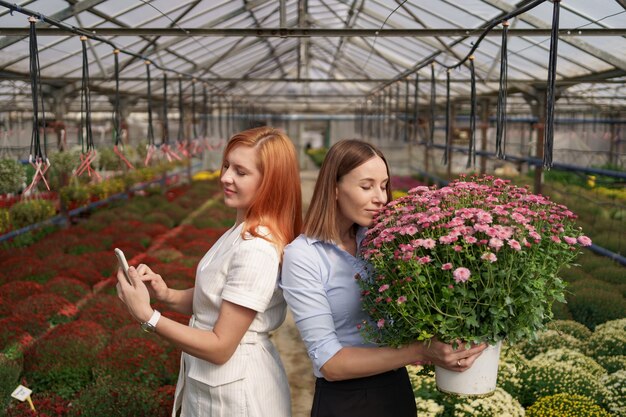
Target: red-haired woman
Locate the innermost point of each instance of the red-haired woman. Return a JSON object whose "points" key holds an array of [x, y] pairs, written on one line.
{"points": [[229, 367]]}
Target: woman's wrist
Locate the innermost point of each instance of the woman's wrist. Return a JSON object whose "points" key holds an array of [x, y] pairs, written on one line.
{"points": [[418, 353]]}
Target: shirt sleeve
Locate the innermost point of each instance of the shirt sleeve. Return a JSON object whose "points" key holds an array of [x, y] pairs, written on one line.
{"points": [[252, 274], [301, 282]]}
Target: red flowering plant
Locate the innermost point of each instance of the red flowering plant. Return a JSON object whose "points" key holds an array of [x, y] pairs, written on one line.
{"points": [[477, 260]]}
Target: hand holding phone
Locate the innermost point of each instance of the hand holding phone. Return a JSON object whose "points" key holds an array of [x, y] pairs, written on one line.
{"points": [[121, 259]]}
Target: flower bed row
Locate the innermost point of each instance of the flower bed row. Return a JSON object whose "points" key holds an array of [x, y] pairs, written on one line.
{"points": [[568, 372], [18, 211], [63, 331]]}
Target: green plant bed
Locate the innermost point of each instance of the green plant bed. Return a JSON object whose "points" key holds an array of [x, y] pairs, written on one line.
{"points": [[27, 212], [62, 361], [317, 155], [574, 274], [590, 261], [544, 377], [611, 239], [570, 327], [595, 306], [10, 370], [612, 363], [560, 311], [611, 272], [108, 397], [616, 385], [606, 341], [590, 284]]}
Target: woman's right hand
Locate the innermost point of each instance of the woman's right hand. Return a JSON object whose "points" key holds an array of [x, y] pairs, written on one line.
{"points": [[157, 287]]}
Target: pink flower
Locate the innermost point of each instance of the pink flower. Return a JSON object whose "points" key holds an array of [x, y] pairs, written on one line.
{"points": [[514, 244], [410, 230], [519, 218], [380, 323], [457, 248], [584, 240], [424, 260], [405, 248], [429, 243], [569, 240], [461, 274], [448, 239], [470, 239], [489, 256], [446, 266], [401, 299], [383, 288], [555, 239], [495, 243], [484, 217]]}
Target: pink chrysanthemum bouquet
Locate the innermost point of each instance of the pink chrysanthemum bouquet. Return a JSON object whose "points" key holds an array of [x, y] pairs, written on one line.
{"points": [[477, 260]]}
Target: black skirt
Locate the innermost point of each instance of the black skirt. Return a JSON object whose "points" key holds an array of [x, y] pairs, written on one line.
{"points": [[384, 395]]}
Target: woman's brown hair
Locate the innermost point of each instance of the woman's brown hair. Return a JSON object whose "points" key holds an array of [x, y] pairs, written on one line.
{"points": [[320, 221], [277, 204]]}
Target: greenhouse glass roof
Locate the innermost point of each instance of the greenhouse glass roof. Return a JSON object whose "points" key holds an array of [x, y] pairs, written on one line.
{"points": [[313, 55]]}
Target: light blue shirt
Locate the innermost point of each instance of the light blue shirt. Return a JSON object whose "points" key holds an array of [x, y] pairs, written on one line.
{"points": [[319, 285]]}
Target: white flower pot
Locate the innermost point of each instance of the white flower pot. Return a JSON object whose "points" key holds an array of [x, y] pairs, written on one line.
{"points": [[478, 381]]}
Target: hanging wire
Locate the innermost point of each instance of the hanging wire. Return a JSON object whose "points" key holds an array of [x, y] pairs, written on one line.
{"points": [[446, 152], [416, 106], [165, 142], [381, 28], [205, 112], [396, 124], [182, 141], [433, 103], [548, 141], [151, 141], [380, 114], [151, 147], [165, 137], [193, 109], [117, 126], [370, 118], [85, 133], [38, 155], [181, 116], [219, 116], [471, 152], [117, 120], [502, 96], [406, 110]]}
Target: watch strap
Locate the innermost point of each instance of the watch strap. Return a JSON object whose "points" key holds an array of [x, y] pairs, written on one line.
{"points": [[150, 325]]}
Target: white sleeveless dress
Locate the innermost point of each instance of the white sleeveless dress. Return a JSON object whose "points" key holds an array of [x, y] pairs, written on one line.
{"points": [[253, 382]]}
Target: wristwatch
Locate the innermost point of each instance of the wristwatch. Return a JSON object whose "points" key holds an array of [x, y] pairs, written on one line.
{"points": [[150, 325]]}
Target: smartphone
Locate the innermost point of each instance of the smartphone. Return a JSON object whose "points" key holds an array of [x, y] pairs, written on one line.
{"points": [[121, 259]]}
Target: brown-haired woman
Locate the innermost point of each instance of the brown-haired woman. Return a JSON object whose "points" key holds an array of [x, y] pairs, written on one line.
{"points": [[354, 377], [229, 367]]}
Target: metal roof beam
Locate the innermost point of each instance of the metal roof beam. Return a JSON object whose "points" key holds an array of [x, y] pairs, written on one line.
{"points": [[62, 15], [565, 33]]}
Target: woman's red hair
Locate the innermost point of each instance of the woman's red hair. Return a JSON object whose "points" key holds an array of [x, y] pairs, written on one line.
{"points": [[278, 202]]}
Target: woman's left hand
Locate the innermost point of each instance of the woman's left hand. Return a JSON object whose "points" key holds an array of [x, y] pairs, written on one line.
{"points": [[136, 296], [457, 359]]}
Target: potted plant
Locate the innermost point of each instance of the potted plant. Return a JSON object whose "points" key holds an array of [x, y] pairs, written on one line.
{"points": [[12, 176], [475, 261]]}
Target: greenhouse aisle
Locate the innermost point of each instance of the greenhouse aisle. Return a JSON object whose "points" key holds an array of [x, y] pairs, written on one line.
{"points": [[287, 339]]}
